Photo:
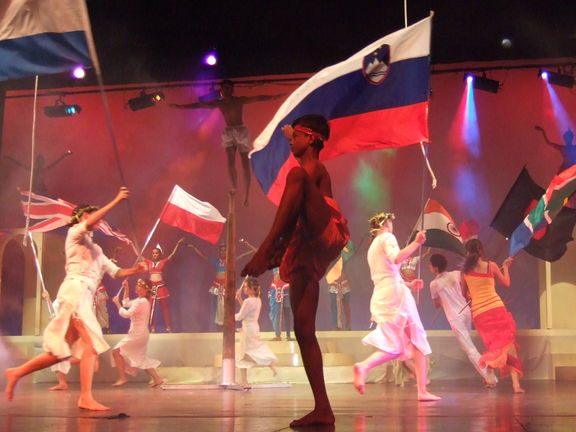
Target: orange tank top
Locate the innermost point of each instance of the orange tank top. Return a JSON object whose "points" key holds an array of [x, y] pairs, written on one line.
{"points": [[482, 288]]}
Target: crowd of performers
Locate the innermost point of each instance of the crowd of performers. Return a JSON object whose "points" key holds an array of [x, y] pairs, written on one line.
{"points": [[308, 234]]}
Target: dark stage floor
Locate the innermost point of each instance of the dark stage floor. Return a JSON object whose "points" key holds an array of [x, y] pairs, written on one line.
{"points": [[466, 406]]}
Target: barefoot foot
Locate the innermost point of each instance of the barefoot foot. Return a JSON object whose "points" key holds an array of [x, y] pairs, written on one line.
{"points": [[91, 404], [59, 387], [11, 380], [359, 378], [519, 390], [156, 383], [120, 382], [316, 417], [427, 397]]}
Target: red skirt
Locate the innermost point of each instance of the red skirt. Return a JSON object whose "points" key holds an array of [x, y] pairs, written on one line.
{"points": [[497, 329]]}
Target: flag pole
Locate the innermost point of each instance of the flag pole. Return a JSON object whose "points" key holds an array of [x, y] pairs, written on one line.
{"points": [[229, 326], [94, 57], [45, 293]]}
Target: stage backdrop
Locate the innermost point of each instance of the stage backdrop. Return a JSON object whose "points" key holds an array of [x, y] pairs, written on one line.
{"points": [[479, 146]]}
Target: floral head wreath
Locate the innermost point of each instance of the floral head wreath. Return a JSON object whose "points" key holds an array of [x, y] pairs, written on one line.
{"points": [[377, 221], [79, 211]]}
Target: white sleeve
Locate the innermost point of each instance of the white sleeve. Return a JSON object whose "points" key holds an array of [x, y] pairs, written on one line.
{"points": [[434, 289], [135, 308], [390, 246], [244, 310], [108, 266]]}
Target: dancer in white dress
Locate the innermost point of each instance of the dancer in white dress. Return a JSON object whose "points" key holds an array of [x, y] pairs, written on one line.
{"points": [[253, 352], [129, 354], [74, 331], [399, 333]]}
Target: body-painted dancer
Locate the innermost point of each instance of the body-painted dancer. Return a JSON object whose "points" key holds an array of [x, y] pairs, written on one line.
{"points": [[446, 293], [399, 333], [235, 134], [308, 232], [74, 331], [129, 354], [492, 320]]}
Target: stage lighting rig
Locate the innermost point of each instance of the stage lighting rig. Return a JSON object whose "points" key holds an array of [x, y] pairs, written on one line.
{"points": [[556, 78], [61, 109], [145, 100], [483, 83]]}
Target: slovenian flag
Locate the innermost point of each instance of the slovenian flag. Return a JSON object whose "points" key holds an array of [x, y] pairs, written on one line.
{"points": [[441, 231], [192, 215], [550, 204], [378, 98], [42, 37]]}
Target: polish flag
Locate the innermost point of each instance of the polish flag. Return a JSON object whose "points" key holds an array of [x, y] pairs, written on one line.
{"points": [[190, 214]]}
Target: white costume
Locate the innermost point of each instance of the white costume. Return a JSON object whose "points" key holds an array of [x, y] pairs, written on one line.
{"points": [[253, 352], [446, 288], [133, 346], [392, 305], [85, 266]]}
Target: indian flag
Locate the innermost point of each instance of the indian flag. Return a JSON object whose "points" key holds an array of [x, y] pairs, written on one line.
{"points": [[441, 231]]}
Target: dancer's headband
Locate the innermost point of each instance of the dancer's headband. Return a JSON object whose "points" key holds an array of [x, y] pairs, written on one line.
{"points": [[377, 221], [308, 131]]}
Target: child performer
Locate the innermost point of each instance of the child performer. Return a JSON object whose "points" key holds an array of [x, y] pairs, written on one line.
{"points": [[280, 313], [101, 308], [399, 332], [447, 294], [253, 352], [155, 268], [308, 232], [493, 322], [74, 331], [339, 290], [130, 353]]}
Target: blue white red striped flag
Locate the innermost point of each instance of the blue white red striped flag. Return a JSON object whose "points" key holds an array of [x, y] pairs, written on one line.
{"points": [[378, 98], [53, 214], [42, 37]]}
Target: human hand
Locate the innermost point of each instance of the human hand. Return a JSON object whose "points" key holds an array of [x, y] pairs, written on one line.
{"points": [[420, 237], [123, 193], [116, 301], [507, 262], [288, 131], [417, 284]]}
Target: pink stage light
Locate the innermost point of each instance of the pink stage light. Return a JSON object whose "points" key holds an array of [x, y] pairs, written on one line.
{"points": [[210, 59], [78, 72]]}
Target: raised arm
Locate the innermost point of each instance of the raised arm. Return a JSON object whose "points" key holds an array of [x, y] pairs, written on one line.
{"points": [[14, 161], [169, 257], [252, 249], [95, 217], [196, 105], [260, 98], [57, 161], [545, 136], [197, 251], [411, 248]]}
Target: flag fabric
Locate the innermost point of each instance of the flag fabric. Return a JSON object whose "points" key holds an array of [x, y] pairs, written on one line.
{"points": [[53, 214], [548, 207], [441, 231], [378, 98], [192, 215], [42, 37]]}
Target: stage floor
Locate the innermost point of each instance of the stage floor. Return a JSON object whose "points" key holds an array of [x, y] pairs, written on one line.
{"points": [[466, 406]]}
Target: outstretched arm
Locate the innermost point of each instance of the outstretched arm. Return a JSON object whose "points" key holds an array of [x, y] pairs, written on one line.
{"points": [[125, 272], [260, 98], [14, 161], [196, 105], [95, 217], [169, 257], [248, 252], [57, 161], [197, 251]]}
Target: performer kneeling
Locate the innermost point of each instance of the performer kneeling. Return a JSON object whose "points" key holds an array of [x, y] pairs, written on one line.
{"points": [[75, 331], [130, 353]]}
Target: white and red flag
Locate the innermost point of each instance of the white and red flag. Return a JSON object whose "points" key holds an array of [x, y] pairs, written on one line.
{"points": [[192, 215]]}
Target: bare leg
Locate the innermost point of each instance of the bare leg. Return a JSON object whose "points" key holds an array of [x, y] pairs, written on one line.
{"points": [[421, 367], [243, 376], [362, 368], [247, 177], [62, 384], [12, 375], [231, 156], [515, 375], [87, 365], [166, 314], [120, 365], [156, 380], [304, 292]]}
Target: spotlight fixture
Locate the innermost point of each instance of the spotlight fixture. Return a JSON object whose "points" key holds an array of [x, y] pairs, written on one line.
{"points": [[482, 83], [556, 78], [145, 100], [78, 72], [60, 109]]}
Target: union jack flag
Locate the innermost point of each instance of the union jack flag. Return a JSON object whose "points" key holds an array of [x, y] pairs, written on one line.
{"points": [[53, 214]]}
